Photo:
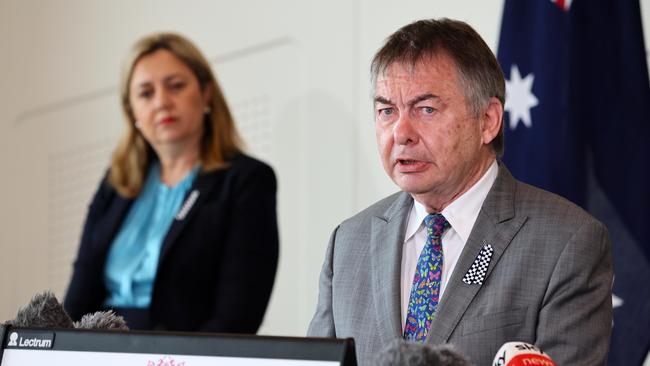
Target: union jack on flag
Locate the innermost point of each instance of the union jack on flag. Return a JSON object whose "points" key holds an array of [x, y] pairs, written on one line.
{"points": [[563, 4]]}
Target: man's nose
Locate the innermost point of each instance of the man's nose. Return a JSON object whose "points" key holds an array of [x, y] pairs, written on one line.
{"points": [[404, 131]]}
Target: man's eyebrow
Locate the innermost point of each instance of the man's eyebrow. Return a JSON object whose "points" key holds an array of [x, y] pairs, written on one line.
{"points": [[382, 100], [422, 97], [416, 100]]}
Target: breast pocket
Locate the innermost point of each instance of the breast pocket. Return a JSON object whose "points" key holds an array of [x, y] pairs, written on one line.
{"points": [[505, 323]]}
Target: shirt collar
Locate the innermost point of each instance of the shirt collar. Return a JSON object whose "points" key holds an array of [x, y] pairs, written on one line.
{"points": [[416, 217], [462, 212]]}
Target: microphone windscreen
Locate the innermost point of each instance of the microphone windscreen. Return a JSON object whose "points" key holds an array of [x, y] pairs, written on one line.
{"points": [[102, 320], [521, 353], [43, 311], [400, 353]]}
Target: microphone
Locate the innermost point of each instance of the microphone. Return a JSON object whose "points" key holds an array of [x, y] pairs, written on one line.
{"points": [[400, 353], [45, 311], [521, 353], [102, 320]]}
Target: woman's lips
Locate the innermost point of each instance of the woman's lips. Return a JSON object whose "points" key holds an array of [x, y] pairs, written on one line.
{"points": [[167, 120]]}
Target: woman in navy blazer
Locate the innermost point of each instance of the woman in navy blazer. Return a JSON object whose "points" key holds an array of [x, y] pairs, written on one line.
{"points": [[218, 254]]}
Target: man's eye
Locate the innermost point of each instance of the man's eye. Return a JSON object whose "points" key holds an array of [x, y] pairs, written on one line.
{"points": [[428, 110], [386, 111]]}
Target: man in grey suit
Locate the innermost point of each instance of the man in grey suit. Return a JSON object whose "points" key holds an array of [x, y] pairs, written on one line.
{"points": [[464, 254]]}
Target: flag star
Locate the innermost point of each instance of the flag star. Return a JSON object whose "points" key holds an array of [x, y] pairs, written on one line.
{"points": [[616, 302], [519, 98]]}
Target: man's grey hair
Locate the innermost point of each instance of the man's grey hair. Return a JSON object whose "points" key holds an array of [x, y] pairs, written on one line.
{"points": [[479, 73]]}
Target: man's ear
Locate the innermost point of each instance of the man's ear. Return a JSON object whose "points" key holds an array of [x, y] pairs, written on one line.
{"points": [[491, 120]]}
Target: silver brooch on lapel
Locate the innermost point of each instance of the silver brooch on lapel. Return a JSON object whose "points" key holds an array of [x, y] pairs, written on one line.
{"points": [[476, 273], [189, 202]]}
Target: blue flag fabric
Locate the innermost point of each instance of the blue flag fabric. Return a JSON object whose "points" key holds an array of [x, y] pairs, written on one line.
{"points": [[578, 124]]}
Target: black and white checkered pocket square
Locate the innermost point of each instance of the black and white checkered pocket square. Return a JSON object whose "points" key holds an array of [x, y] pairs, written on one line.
{"points": [[476, 273]]}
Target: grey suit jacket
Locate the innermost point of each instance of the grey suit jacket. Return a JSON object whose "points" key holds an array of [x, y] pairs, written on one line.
{"points": [[548, 282]]}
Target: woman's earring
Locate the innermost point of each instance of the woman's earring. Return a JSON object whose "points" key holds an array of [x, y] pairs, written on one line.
{"points": [[137, 124]]}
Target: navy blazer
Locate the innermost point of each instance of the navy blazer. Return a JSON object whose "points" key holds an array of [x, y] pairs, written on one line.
{"points": [[218, 259]]}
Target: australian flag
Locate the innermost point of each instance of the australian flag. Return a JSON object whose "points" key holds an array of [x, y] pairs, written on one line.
{"points": [[578, 124]]}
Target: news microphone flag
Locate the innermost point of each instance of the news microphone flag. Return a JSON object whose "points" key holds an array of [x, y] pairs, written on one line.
{"points": [[578, 124], [521, 354]]}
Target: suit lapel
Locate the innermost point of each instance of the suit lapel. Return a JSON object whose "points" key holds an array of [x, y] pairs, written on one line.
{"points": [[106, 229], [195, 198], [496, 225], [387, 238]]}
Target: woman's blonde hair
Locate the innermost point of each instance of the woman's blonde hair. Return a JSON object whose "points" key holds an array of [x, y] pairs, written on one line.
{"points": [[133, 154]]}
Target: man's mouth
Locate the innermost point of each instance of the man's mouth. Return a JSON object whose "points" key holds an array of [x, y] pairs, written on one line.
{"points": [[410, 165]]}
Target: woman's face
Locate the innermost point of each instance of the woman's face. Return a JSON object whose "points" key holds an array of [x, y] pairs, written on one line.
{"points": [[167, 102]]}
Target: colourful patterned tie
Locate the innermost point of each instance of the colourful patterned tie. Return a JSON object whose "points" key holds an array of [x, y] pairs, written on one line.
{"points": [[425, 290]]}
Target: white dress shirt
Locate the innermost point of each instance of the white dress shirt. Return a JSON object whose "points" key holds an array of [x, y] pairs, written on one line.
{"points": [[461, 215]]}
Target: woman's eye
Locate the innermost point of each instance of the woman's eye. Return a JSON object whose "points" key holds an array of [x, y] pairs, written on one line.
{"points": [[178, 86], [146, 94]]}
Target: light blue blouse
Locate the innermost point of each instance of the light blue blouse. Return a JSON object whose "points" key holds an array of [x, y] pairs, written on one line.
{"points": [[133, 257]]}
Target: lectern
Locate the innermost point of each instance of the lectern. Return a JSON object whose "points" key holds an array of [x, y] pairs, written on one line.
{"points": [[68, 347]]}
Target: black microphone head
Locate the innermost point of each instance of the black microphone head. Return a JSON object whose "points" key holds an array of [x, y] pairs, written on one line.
{"points": [[403, 353], [43, 311], [102, 320]]}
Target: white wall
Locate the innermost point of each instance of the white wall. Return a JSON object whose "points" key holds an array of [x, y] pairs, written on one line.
{"points": [[295, 73], [287, 69]]}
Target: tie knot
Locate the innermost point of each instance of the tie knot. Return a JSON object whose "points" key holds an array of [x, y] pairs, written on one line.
{"points": [[436, 224]]}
